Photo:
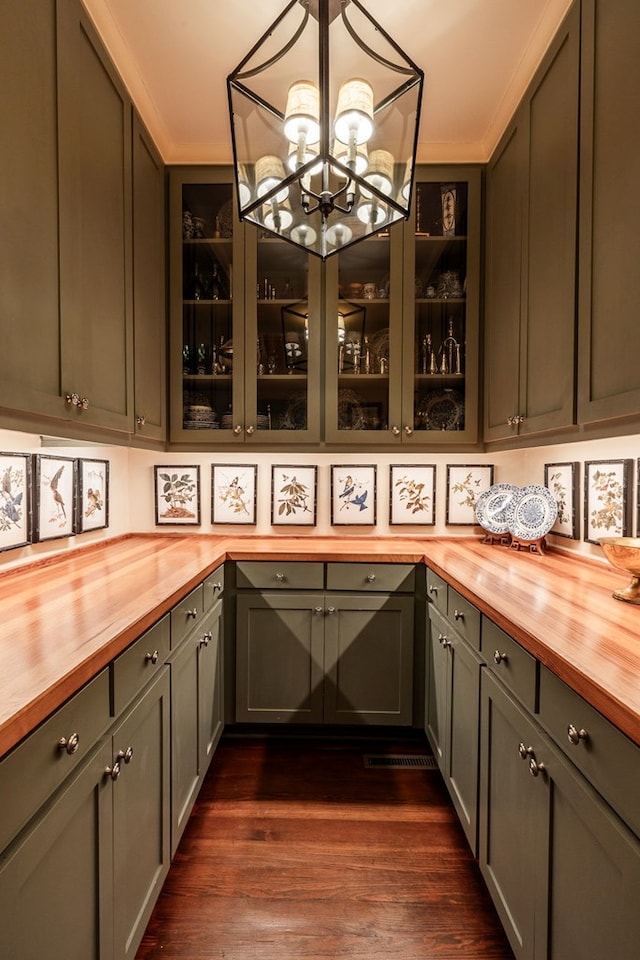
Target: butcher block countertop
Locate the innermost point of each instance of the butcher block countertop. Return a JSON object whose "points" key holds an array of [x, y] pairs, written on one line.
{"points": [[62, 620]]}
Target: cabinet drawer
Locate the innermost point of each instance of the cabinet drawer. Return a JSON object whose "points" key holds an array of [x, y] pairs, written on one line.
{"points": [[139, 663], [213, 587], [34, 770], [185, 615], [437, 590], [279, 575], [609, 760], [464, 617], [511, 662], [383, 577]]}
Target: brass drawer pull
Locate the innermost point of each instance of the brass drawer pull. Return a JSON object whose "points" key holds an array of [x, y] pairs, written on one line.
{"points": [[536, 767], [524, 752], [216, 586], [433, 589], [499, 657], [69, 744], [152, 657], [371, 577], [192, 613], [206, 638], [280, 577], [575, 736], [458, 615]]}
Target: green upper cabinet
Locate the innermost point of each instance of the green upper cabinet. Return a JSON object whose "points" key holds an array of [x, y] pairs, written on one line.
{"points": [[608, 370], [94, 138], [531, 224], [29, 281], [149, 292]]}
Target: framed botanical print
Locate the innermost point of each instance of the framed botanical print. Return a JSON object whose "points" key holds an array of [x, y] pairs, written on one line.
{"points": [[233, 493], [54, 511], [353, 495], [562, 480], [465, 483], [177, 495], [607, 499], [293, 495], [93, 495], [15, 500], [412, 494]]}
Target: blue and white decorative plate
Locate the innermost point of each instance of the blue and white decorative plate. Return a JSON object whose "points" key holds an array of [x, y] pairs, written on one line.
{"points": [[494, 507], [534, 513]]}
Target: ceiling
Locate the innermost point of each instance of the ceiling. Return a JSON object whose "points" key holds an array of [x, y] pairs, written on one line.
{"points": [[478, 57]]}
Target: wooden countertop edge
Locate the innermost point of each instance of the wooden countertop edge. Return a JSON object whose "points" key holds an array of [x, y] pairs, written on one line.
{"points": [[25, 719]]}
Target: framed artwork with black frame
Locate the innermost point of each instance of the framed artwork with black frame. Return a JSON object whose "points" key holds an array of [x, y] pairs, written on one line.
{"points": [[607, 499], [353, 495], [234, 493], [412, 494], [562, 480], [55, 492], [293, 495], [465, 483], [177, 495], [15, 500], [93, 495]]}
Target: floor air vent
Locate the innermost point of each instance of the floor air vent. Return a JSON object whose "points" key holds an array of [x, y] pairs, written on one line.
{"points": [[398, 761]]}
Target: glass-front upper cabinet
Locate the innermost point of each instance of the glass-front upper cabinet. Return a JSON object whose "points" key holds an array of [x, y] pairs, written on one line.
{"points": [[283, 326], [206, 290], [441, 307], [364, 340]]}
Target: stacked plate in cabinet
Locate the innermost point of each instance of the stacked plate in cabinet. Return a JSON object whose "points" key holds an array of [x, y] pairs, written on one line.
{"points": [[526, 513]]}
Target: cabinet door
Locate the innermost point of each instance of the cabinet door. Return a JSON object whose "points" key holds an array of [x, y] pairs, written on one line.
{"points": [[210, 688], [363, 384], [29, 282], [437, 686], [513, 818], [56, 882], [95, 227], [506, 175], [283, 327], [442, 308], [149, 293], [279, 657], [141, 803], [463, 733], [185, 753], [609, 290], [368, 659], [206, 307]]}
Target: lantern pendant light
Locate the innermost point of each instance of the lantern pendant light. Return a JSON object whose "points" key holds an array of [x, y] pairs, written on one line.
{"points": [[324, 112]]}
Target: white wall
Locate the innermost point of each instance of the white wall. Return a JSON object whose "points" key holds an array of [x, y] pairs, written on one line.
{"points": [[132, 488]]}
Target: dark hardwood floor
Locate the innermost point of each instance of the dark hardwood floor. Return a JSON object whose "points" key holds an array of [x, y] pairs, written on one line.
{"points": [[297, 851]]}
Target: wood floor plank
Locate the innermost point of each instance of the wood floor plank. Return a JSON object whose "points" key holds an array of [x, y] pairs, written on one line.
{"points": [[296, 851]]}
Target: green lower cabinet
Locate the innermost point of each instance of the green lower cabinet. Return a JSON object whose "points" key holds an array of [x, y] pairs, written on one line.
{"points": [[324, 657], [562, 869], [452, 717], [141, 801], [196, 715], [56, 897]]}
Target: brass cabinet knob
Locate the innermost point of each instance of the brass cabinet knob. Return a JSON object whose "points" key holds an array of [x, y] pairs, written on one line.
{"points": [[458, 615], [75, 400], [192, 613], [141, 421], [249, 430], [206, 638], [433, 589], [499, 657], [318, 611], [408, 430], [237, 430], [114, 771], [331, 611], [524, 752], [152, 657], [280, 577], [69, 744], [371, 577], [395, 431], [536, 767]]}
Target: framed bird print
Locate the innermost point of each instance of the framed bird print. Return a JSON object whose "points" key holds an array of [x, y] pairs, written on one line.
{"points": [[177, 495], [15, 500], [293, 495], [233, 493], [54, 509], [412, 494], [465, 483], [353, 495], [93, 495]]}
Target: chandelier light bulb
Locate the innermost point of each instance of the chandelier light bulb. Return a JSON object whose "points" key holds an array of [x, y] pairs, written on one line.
{"points": [[339, 234], [373, 213], [358, 156], [277, 217], [354, 113], [302, 113], [303, 234]]}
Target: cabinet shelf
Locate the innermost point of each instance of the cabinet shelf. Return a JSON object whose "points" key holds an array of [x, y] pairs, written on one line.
{"points": [[440, 300], [209, 377], [438, 377], [206, 303]]}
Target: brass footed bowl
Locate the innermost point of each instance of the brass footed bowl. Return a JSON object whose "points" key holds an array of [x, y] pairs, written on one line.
{"points": [[623, 553]]}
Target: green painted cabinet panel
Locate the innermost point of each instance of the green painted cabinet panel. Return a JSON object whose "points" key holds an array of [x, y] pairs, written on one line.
{"points": [[149, 290], [368, 659], [608, 372], [29, 282], [562, 869], [452, 716], [56, 895], [196, 714], [141, 809], [94, 139], [279, 657], [531, 252]]}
